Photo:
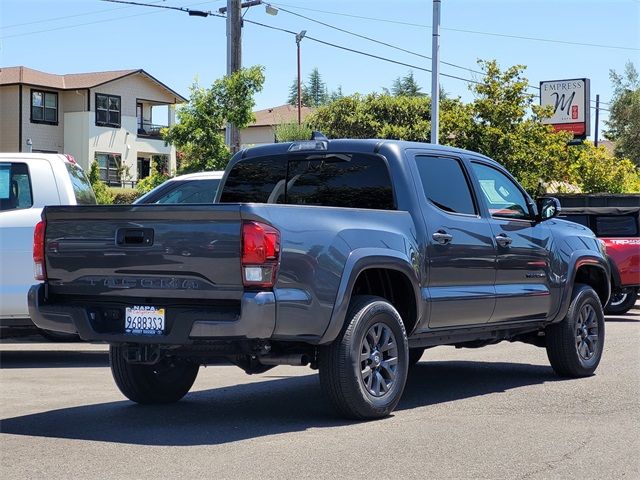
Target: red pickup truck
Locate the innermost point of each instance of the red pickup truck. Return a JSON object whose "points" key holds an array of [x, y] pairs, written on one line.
{"points": [[615, 219]]}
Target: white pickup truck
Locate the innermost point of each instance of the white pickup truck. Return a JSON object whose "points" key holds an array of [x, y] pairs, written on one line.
{"points": [[28, 182]]}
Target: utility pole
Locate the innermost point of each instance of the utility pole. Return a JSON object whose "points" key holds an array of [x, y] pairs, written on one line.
{"points": [[234, 61], [595, 141], [299, 37], [435, 73]]}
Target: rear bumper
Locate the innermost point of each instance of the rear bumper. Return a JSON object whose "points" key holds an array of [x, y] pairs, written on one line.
{"points": [[16, 322], [255, 320]]}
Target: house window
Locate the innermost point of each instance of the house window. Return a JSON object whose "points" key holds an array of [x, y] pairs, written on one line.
{"points": [[110, 167], [44, 107], [107, 110]]}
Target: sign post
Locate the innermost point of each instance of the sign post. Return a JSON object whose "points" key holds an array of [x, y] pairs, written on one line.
{"points": [[570, 100]]}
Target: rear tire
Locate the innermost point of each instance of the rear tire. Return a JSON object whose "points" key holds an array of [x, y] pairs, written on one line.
{"points": [[165, 382], [575, 345], [363, 372], [622, 301]]}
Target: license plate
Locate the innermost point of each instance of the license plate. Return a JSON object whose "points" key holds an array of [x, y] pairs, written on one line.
{"points": [[144, 320]]}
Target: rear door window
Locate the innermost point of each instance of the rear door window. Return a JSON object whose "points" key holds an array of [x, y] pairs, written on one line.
{"points": [[81, 187], [330, 180], [445, 184], [15, 186]]}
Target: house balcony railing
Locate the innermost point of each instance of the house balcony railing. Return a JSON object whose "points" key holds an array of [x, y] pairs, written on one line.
{"points": [[150, 130]]}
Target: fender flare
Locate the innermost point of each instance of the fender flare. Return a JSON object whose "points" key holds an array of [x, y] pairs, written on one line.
{"points": [[358, 261], [579, 259]]}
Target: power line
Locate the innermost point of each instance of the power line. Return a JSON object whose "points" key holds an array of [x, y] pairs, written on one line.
{"points": [[51, 29], [184, 9], [476, 32], [360, 52], [349, 32], [65, 17], [180, 9]]}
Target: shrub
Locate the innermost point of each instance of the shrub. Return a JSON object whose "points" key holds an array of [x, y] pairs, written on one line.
{"points": [[104, 196], [124, 196]]}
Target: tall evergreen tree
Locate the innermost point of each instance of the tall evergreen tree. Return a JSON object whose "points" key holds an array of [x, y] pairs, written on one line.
{"points": [[317, 89], [293, 94], [406, 87]]}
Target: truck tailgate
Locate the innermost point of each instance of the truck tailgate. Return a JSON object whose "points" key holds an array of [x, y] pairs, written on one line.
{"points": [[177, 251]]}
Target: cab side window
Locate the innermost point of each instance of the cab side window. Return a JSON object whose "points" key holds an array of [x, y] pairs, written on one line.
{"points": [[504, 198], [15, 186], [445, 184]]}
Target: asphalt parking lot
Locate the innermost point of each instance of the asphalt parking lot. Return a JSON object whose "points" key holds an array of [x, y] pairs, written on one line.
{"points": [[494, 412]]}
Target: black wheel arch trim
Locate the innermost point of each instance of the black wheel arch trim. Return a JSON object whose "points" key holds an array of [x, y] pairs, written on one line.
{"points": [[580, 259], [359, 261]]}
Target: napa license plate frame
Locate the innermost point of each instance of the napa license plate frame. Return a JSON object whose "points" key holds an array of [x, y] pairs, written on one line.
{"points": [[144, 320]]}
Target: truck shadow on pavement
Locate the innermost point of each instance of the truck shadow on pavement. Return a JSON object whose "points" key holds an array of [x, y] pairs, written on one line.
{"points": [[52, 359], [263, 408]]}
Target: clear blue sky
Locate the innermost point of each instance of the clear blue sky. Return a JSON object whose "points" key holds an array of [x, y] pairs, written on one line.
{"points": [[69, 36]]}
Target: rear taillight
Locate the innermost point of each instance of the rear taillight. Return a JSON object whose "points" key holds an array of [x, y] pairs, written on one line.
{"points": [[260, 254], [38, 251]]}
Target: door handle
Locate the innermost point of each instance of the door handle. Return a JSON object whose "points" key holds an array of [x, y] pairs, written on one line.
{"points": [[442, 237], [503, 240]]}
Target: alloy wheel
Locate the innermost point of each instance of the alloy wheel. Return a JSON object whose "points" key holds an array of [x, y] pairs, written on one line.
{"points": [[587, 332], [378, 360]]}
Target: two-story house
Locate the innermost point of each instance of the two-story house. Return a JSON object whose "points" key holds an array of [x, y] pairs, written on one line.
{"points": [[113, 118]]}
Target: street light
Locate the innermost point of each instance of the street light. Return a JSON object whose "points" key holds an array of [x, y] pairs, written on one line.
{"points": [[299, 37]]}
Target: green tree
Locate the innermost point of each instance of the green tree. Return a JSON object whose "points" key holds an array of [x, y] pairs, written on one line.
{"points": [[507, 127], [293, 94], [406, 87], [316, 89], [336, 94], [104, 196], [503, 122], [199, 131], [289, 132], [385, 116], [595, 170], [624, 117], [159, 174]]}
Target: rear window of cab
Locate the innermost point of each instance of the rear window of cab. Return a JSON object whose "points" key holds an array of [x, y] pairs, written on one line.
{"points": [[330, 180]]}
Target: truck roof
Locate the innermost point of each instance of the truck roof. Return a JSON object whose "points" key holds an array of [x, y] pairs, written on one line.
{"points": [[374, 145]]}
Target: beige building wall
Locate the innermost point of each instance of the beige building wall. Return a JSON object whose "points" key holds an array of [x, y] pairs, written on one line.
{"points": [[9, 115], [76, 134], [45, 137], [257, 135], [75, 100], [130, 89]]}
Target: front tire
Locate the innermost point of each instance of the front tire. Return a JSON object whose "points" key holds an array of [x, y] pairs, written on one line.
{"points": [[621, 301], [415, 354], [165, 382], [575, 345], [363, 372]]}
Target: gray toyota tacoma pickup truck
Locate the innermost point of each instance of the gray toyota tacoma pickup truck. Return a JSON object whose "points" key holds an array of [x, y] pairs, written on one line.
{"points": [[351, 256]]}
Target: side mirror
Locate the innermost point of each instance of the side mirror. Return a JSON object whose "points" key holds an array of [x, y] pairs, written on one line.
{"points": [[548, 207]]}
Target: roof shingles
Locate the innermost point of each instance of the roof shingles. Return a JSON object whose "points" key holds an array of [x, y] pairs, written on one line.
{"points": [[72, 81]]}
